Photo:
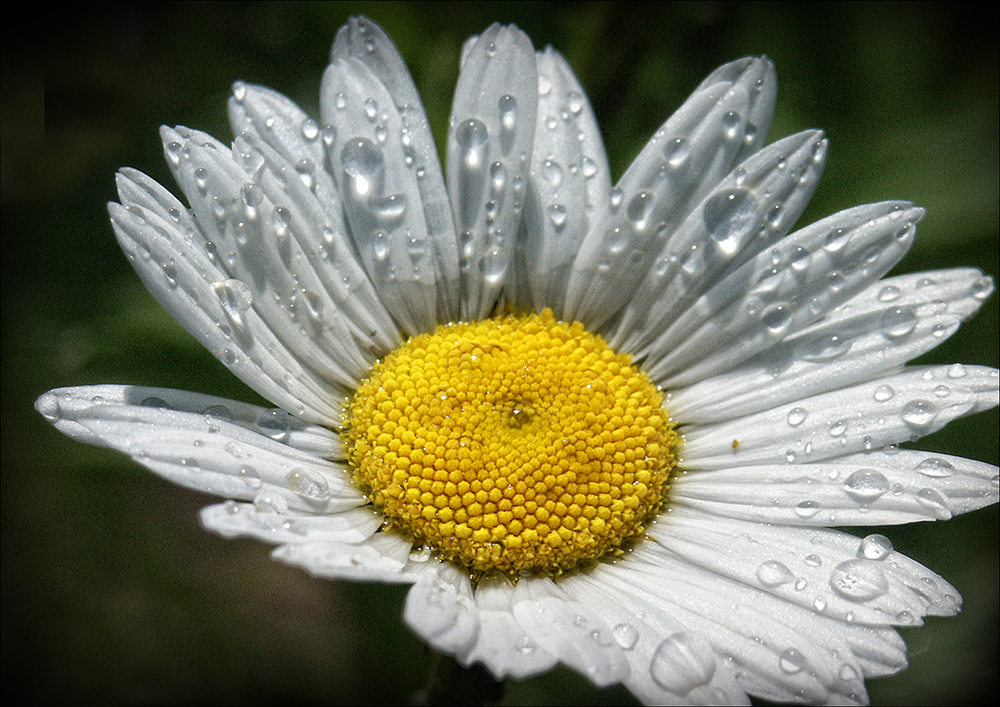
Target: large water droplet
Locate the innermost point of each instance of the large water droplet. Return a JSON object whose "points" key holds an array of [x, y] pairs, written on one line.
{"points": [[639, 209], [626, 635], [364, 167], [791, 661], [858, 580], [679, 666], [898, 322], [308, 484], [919, 414], [935, 467], [729, 216], [472, 136], [796, 416], [866, 485], [875, 547], [772, 573]]}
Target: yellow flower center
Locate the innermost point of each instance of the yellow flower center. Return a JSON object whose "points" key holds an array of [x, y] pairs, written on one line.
{"points": [[515, 444]]}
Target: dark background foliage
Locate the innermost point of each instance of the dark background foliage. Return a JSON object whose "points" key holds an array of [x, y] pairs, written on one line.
{"points": [[111, 591]]}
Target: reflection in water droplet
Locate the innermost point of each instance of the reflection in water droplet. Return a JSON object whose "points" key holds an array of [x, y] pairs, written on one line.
{"points": [[728, 217], [875, 547], [772, 573], [858, 580], [679, 665], [866, 485], [898, 323]]}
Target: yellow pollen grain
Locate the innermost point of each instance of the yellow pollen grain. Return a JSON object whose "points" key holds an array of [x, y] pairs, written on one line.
{"points": [[518, 444]]}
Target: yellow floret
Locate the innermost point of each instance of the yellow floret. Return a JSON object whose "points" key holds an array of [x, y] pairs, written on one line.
{"points": [[514, 444]]}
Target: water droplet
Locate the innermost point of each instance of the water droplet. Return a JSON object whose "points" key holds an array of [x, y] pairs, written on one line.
{"points": [[934, 502], [919, 414], [826, 347], [729, 216], [883, 393], [269, 502], [472, 135], [806, 509], [772, 573], [838, 428], [308, 484], [239, 91], [507, 105], [935, 467], [875, 547], [640, 208], [364, 167], [557, 214], [274, 424], [154, 402], [777, 317], [498, 177], [866, 485], [48, 406], [626, 635], [791, 661], [731, 125], [796, 416], [858, 580], [310, 129], [898, 323], [676, 152], [679, 666]]}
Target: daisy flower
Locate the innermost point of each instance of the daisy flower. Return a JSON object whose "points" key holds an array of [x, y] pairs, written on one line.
{"points": [[602, 425]]}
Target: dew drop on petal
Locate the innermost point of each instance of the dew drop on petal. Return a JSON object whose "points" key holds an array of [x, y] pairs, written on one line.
{"points": [[875, 547], [858, 580], [626, 635], [898, 323], [866, 485], [935, 467], [791, 661], [883, 393], [308, 484], [679, 667], [806, 509], [796, 416], [773, 573], [919, 414], [728, 217]]}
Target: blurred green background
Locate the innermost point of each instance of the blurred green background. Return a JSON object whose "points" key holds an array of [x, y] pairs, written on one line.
{"points": [[112, 594]]}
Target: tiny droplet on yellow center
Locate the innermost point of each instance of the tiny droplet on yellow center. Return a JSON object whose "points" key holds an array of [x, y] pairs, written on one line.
{"points": [[518, 444]]}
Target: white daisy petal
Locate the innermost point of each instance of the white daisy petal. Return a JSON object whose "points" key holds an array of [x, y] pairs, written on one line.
{"points": [[503, 647], [568, 629], [746, 214], [208, 444], [489, 157], [182, 271], [723, 122], [381, 558], [373, 163], [780, 291], [292, 145], [231, 520], [669, 664], [870, 415], [569, 184], [890, 323], [364, 41], [441, 609], [250, 235], [836, 574], [778, 650], [856, 490]]}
